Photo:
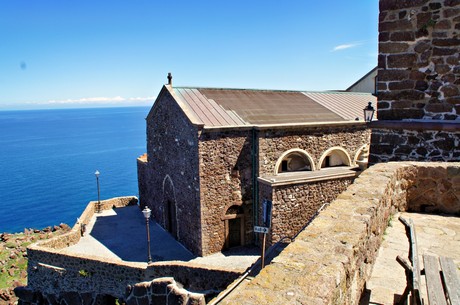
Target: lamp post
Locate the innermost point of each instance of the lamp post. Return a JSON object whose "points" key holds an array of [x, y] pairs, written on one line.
{"points": [[146, 211], [369, 112], [98, 208]]}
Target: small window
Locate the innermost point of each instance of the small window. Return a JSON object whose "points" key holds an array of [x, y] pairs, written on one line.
{"points": [[335, 158], [294, 162]]}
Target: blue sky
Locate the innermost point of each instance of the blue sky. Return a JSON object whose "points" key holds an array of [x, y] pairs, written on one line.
{"points": [[56, 54]]}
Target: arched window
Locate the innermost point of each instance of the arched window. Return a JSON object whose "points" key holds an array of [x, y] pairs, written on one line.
{"points": [[295, 160], [335, 156]]}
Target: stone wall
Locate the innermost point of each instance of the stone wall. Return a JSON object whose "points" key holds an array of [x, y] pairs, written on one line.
{"points": [[419, 71], [418, 81], [294, 205], [56, 276], [411, 142], [225, 180], [168, 177], [315, 140], [162, 291], [331, 260]]}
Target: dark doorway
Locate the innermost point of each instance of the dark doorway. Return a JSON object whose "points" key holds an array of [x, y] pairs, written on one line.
{"points": [[170, 218], [234, 232], [234, 227]]}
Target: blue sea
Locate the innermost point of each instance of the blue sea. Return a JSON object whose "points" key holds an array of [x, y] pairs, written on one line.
{"points": [[48, 159]]}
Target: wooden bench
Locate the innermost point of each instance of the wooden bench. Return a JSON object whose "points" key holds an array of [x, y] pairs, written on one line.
{"points": [[442, 282]]}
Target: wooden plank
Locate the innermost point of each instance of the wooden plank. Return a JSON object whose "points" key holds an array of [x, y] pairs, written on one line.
{"points": [[433, 281], [451, 280], [415, 260]]}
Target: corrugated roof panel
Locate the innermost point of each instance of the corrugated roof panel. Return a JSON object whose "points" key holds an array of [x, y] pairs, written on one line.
{"points": [[214, 109], [234, 107], [181, 93], [348, 105], [271, 107]]}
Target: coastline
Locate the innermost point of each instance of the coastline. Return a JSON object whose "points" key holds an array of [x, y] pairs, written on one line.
{"points": [[13, 257]]}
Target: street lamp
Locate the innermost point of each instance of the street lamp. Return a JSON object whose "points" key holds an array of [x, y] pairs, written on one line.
{"points": [[146, 211], [368, 112], [98, 208]]}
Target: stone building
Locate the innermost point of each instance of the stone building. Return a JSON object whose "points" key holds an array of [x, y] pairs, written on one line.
{"points": [[418, 82], [215, 155]]}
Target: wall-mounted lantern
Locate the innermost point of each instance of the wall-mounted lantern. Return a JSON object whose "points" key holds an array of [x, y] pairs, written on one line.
{"points": [[369, 112]]}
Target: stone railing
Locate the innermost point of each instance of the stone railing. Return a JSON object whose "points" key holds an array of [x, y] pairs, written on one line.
{"points": [[331, 260], [56, 275]]}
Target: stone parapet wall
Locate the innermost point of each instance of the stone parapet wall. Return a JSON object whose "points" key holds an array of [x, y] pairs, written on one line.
{"points": [[294, 205], [54, 275], [331, 260], [72, 237], [162, 291], [419, 70]]}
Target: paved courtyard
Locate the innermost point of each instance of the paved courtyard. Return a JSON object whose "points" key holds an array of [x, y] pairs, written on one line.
{"points": [[436, 235], [121, 234]]}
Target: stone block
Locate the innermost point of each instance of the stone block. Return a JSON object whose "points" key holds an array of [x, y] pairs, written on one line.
{"points": [[406, 60], [402, 36], [140, 289], [383, 105], [393, 47], [177, 296], [393, 75], [448, 42], [437, 51], [450, 90], [384, 36], [400, 4], [401, 85], [401, 95], [439, 108], [159, 286], [421, 85], [422, 46], [196, 299], [398, 25]]}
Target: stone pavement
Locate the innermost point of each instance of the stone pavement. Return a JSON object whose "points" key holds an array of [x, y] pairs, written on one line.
{"points": [[436, 235], [120, 234]]}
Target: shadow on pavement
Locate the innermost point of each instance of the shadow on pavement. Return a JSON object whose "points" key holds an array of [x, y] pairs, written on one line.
{"points": [[125, 235]]}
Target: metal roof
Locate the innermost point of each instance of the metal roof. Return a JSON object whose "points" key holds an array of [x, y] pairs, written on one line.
{"points": [[241, 107]]}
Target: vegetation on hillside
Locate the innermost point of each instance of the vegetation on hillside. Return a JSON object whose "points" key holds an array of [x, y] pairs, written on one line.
{"points": [[13, 258]]}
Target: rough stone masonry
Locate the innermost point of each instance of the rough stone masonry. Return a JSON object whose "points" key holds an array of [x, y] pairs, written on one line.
{"points": [[418, 82]]}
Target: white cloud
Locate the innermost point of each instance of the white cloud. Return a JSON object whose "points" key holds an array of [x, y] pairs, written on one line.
{"points": [[100, 101], [341, 47]]}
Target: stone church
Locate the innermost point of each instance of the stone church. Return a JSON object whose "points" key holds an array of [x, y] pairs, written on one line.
{"points": [[215, 155]]}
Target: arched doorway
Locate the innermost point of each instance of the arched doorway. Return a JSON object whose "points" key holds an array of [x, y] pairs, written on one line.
{"points": [[170, 218], [170, 208], [234, 227]]}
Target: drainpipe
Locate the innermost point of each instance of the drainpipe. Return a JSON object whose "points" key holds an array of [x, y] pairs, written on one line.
{"points": [[255, 186]]}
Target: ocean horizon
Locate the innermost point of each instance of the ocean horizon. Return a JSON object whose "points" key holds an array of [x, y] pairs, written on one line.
{"points": [[48, 159]]}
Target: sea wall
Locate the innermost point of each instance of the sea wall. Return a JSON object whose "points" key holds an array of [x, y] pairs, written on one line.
{"points": [[330, 261]]}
